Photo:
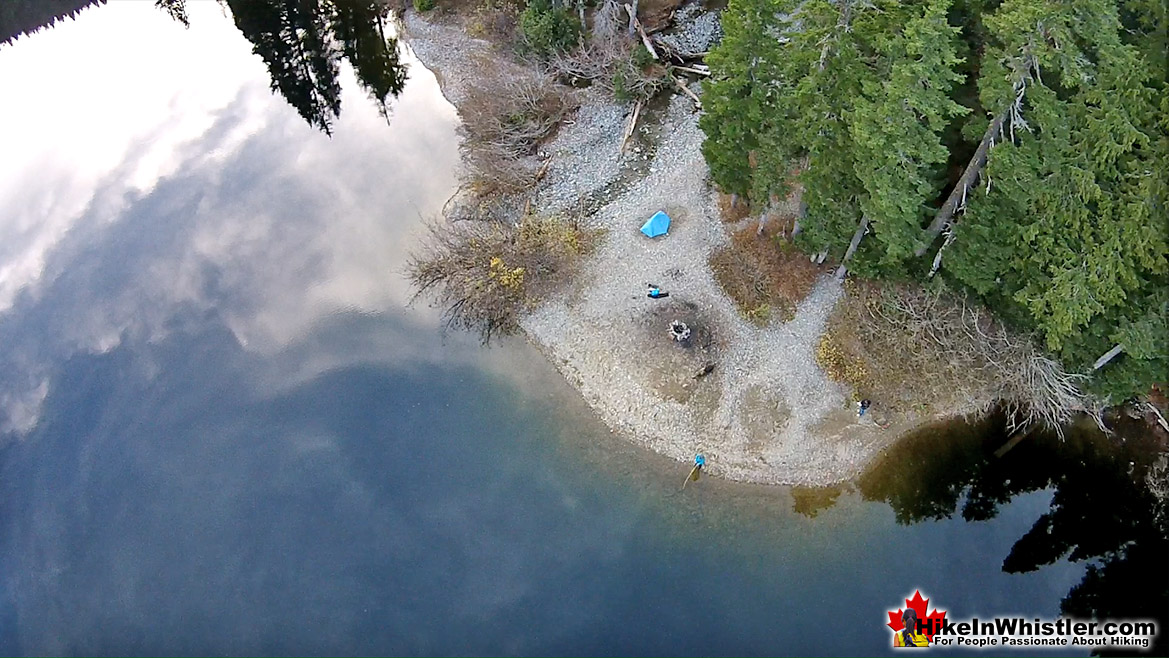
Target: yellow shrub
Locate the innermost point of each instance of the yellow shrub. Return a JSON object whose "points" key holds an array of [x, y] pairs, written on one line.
{"points": [[839, 365], [510, 278]]}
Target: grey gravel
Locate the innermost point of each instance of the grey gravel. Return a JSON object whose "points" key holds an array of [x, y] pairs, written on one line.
{"points": [[585, 157], [453, 56], [695, 31], [766, 412]]}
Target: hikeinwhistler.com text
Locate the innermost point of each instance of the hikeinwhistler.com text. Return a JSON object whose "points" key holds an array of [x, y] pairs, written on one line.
{"points": [[1001, 632]]}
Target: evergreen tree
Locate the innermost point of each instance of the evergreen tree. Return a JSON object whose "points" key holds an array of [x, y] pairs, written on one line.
{"points": [[898, 123], [1048, 200], [741, 102], [825, 84], [20, 17], [359, 28], [289, 36], [1073, 230]]}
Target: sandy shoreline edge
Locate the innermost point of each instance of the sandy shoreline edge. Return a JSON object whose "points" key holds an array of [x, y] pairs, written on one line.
{"points": [[766, 413]]}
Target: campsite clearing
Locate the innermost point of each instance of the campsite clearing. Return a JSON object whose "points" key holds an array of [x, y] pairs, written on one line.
{"points": [[764, 411]]}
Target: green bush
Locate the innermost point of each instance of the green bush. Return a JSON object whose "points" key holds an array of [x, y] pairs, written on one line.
{"points": [[423, 5], [621, 87], [547, 29], [641, 57]]}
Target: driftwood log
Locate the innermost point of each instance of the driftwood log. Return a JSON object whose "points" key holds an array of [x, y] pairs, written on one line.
{"points": [[856, 241], [630, 127], [641, 31], [694, 97]]}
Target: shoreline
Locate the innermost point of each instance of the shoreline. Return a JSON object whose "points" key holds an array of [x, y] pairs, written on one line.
{"points": [[766, 413]]}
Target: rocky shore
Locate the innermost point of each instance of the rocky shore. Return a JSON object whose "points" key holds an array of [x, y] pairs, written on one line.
{"points": [[752, 399]]}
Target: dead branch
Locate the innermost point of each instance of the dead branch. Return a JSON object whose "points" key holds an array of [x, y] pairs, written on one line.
{"points": [[938, 257], [485, 275], [929, 332], [504, 118], [630, 126], [694, 97], [694, 69], [1157, 479]]}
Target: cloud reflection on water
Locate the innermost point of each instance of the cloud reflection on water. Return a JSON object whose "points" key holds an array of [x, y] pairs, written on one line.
{"points": [[194, 190]]}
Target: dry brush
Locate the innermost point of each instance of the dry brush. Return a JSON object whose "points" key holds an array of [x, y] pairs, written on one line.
{"points": [[914, 344], [486, 275], [506, 115]]}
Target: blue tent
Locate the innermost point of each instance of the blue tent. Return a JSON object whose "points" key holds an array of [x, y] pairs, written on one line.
{"points": [[657, 225]]}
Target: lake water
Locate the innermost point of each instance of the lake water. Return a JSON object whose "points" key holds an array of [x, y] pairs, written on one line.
{"points": [[226, 432]]}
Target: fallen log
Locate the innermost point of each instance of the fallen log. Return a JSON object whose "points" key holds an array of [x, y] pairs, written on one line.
{"points": [[694, 97], [856, 241], [641, 31], [630, 127], [968, 180], [1108, 356], [1013, 441]]}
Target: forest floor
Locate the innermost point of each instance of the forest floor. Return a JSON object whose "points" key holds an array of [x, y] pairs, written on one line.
{"points": [[745, 391]]}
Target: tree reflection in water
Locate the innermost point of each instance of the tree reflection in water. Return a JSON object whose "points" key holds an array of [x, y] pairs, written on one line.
{"points": [[1101, 508], [302, 42]]}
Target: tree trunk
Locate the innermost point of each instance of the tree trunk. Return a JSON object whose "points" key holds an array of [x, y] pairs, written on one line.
{"points": [[802, 214], [771, 201], [632, 17], [1108, 356], [938, 258], [965, 183], [856, 241]]}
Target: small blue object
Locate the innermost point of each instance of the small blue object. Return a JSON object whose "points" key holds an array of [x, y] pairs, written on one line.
{"points": [[657, 225], [699, 460]]}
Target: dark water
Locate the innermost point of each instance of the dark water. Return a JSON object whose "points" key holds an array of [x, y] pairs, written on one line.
{"points": [[225, 432]]}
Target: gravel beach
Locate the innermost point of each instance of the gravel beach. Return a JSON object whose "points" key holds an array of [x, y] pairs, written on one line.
{"points": [[764, 411]]}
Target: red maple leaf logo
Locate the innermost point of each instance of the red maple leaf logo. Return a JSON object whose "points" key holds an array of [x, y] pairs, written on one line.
{"points": [[919, 606]]}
